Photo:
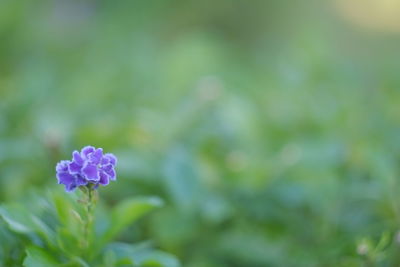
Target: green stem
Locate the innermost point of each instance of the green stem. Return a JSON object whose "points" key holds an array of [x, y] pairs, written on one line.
{"points": [[89, 217]]}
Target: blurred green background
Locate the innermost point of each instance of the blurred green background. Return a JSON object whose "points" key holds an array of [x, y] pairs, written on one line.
{"points": [[270, 128]]}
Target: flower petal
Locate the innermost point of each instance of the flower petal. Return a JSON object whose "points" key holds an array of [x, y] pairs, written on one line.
{"points": [[68, 180], [74, 168], [104, 178], [65, 178], [113, 175], [70, 187], [111, 158], [80, 180], [104, 161], [77, 158], [96, 156], [110, 171], [86, 151], [90, 172], [62, 166]]}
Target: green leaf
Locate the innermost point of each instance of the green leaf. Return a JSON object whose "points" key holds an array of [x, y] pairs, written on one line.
{"points": [[125, 214], [109, 258], [181, 178], [383, 242], [75, 262], [159, 258], [44, 231], [13, 224], [63, 207], [38, 257], [124, 262], [68, 242], [143, 255]]}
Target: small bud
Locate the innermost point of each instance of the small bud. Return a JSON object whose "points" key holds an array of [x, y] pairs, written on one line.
{"points": [[363, 248], [76, 216]]}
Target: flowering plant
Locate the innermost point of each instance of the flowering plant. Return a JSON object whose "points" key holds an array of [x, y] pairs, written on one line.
{"points": [[60, 229]]}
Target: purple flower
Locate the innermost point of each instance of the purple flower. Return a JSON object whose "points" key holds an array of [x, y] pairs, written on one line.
{"points": [[90, 166]]}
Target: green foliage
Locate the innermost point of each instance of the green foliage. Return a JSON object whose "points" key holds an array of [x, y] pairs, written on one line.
{"points": [[269, 128], [37, 257], [124, 214], [51, 230]]}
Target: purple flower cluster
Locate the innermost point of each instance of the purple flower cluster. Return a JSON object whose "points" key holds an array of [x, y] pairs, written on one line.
{"points": [[88, 166]]}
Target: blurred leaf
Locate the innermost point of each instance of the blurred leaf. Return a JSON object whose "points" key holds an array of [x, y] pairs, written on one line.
{"points": [[181, 178], [159, 258], [124, 262], [38, 257], [44, 231], [75, 262], [68, 242], [383, 242], [125, 213], [109, 258], [63, 207], [14, 225], [144, 255]]}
